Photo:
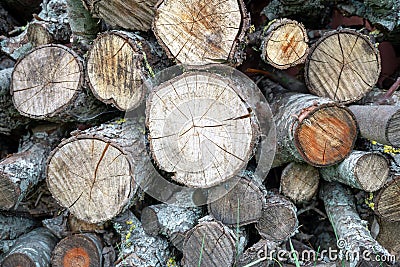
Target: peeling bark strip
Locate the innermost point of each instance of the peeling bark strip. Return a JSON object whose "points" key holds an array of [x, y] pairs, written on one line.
{"points": [[32, 249], [138, 248], [127, 14], [195, 134], [299, 182], [208, 239], [117, 64], [78, 250], [278, 221], [241, 205], [367, 171], [202, 31], [10, 119], [352, 232], [343, 65], [379, 123], [23, 170], [170, 221], [387, 204], [312, 129], [47, 84], [284, 44], [93, 173]]}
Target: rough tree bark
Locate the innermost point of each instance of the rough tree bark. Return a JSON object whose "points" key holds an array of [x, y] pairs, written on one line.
{"points": [[194, 134], [343, 65], [387, 204], [78, 250], [210, 238], [10, 118], [170, 221], [138, 248], [367, 171], [240, 205], [48, 83], [21, 171], [130, 14], [379, 123], [352, 233], [31, 249], [110, 158], [117, 65], [278, 220], [312, 129], [284, 44], [197, 32], [299, 182]]}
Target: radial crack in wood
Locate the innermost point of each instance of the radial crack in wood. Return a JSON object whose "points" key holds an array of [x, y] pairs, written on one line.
{"points": [[284, 44], [343, 65], [201, 31], [93, 173], [200, 128]]}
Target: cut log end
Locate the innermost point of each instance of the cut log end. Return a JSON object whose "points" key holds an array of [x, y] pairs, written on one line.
{"points": [[18, 259], [371, 171], [77, 250], [46, 80], [195, 32], [205, 241], [115, 70], [387, 203], [343, 65], [90, 176], [9, 192], [393, 129], [326, 135], [200, 129], [285, 44]]}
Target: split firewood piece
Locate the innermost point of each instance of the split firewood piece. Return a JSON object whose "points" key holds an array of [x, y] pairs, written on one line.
{"points": [[352, 233], [343, 65], [170, 221], [389, 234], [20, 172], [367, 171], [299, 182], [48, 84], [10, 118], [278, 220], [31, 249], [195, 134], [210, 238], [130, 14], [197, 32], [93, 173], [240, 205], [117, 64], [138, 248], [387, 204], [78, 250], [379, 123], [285, 44], [312, 129]]}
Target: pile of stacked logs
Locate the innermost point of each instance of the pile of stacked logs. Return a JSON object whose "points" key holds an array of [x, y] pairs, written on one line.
{"points": [[76, 191]]}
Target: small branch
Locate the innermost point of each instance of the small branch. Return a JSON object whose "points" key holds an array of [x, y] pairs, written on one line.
{"points": [[389, 93]]}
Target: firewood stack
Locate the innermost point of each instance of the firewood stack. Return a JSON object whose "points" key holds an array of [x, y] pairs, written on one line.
{"points": [[170, 133]]}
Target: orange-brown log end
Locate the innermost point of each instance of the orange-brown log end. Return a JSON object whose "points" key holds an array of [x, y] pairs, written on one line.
{"points": [[76, 257], [326, 135]]}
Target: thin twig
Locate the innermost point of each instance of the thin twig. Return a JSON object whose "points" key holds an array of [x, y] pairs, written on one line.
{"points": [[389, 92]]}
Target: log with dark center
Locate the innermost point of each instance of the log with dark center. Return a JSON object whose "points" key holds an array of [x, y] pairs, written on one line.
{"points": [[285, 44], [93, 173], [200, 128], [202, 31], [31, 249], [47, 84], [379, 123], [343, 65], [78, 250], [387, 204], [367, 171], [312, 129]]}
